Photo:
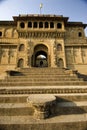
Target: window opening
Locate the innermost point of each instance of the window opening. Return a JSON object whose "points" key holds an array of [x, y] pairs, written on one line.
{"points": [[40, 24], [51, 25], [46, 25], [30, 24], [22, 25], [35, 25], [0, 34], [59, 25]]}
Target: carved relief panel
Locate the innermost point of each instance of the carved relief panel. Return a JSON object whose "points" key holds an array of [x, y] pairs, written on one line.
{"points": [[4, 56], [12, 56], [84, 54], [69, 56], [77, 55]]}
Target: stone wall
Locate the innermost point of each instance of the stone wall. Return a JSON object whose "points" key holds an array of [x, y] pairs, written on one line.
{"points": [[66, 42]]}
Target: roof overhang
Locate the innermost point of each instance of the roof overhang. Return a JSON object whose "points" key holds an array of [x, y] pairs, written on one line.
{"points": [[74, 24], [40, 17]]}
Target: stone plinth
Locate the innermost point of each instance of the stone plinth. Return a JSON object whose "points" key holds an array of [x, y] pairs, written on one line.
{"points": [[42, 104]]}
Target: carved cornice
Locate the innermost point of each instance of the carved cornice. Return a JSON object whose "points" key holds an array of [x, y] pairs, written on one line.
{"points": [[40, 17], [41, 34]]}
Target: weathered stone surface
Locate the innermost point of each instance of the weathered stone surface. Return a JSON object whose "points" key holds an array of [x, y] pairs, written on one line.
{"points": [[42, 104], [40, 54], [62, 43]]}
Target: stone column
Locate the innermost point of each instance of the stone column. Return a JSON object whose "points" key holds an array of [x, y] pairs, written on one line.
{"points": [[55, 54], [29, 53]]}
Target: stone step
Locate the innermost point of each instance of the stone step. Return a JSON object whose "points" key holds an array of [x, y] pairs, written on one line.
{"points": [[45, 76], [42, 83], [71, 107], [13, 98], [15, 109], [63, 122], [51, 71], [71, 97], [41, 70], [47, 73], [23, 79], [22, 98], [43, 73], [72, 104], [21, 109]]}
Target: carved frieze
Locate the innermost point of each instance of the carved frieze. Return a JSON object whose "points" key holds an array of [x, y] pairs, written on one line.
{"points": [[41, 34]]}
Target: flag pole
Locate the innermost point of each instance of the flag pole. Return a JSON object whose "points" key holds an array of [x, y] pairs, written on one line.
{"points": [[40, 10], [41, 5]]}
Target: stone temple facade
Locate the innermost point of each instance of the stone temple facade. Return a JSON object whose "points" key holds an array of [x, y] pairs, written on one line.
{"points": [[43, 41]]}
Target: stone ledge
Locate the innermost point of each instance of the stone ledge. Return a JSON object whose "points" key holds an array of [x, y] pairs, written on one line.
{"points": [[30, 120]]}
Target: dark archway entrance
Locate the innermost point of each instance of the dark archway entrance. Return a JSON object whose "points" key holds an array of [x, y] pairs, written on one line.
{"points": [[40, 56], [41, 59]]}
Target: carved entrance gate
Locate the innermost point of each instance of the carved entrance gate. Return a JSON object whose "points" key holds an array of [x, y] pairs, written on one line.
{"points": [[40, 57]]}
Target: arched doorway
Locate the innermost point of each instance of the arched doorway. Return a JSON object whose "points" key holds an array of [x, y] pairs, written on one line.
{"points": [[60, 63], [20, 63], [40, 56]]}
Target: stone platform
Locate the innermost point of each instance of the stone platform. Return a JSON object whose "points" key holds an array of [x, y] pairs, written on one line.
{"points": [[43, 99]]}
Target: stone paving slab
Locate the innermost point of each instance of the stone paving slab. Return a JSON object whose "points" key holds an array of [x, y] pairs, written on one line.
{"points": [[13, 105], [31, 120], [23, 105]]}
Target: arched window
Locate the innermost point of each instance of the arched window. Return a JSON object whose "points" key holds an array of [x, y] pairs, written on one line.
{"points": [[29, 24], [40, 24], [20, 63], [59, 47], [80, 34], [60, 63], [22, 25], [59, 25], [35, 24], [51, 25], [46, 25], [21, 47]]}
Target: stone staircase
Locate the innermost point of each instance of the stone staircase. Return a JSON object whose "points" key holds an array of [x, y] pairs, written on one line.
{"points": [[69, 88], [70, 113], [42, 77]]}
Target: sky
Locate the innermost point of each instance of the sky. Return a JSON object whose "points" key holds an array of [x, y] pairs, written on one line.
{"points": [[76, 10]]}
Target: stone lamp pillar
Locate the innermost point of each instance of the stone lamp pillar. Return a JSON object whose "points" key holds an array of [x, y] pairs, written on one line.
{"points": [[42, 104]]}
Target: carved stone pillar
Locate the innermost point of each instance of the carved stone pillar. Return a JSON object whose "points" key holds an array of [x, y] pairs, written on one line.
{"points": [[55, 54], [42, 105], [29, 53]]}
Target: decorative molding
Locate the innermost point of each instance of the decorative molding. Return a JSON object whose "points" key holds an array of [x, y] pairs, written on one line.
{"points": [[43, 91], [41, 34]]}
